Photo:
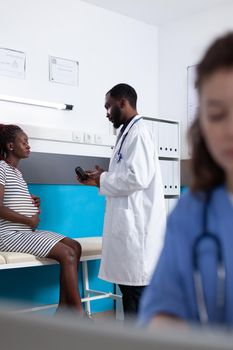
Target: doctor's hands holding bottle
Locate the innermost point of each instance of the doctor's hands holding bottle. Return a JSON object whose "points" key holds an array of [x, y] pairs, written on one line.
{"points": [[92, 177]]}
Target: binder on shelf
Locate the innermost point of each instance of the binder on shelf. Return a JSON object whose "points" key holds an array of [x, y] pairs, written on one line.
{"points": [[169, 164], [170, 177], [168, 146], [176, 178], [163, 174], [174, 133], [163, 140]]}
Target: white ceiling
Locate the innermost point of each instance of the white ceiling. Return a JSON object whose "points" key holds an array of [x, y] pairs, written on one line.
{"points": [[157, 12]]}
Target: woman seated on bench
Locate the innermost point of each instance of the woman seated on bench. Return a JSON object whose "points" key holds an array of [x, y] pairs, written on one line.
{"points": [[19, 217]]}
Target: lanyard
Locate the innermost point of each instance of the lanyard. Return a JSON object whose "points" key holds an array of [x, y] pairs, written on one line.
{"points": [[119, 154]]}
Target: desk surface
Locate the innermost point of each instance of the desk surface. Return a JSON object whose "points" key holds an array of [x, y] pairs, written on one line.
{"points": [[69, 332]]}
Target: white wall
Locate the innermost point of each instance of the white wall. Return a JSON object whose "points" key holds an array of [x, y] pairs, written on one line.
{"points": [[182, 44], [110, 49]]}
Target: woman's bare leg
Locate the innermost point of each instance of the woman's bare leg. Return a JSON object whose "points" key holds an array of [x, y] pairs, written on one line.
{"points": [[68, 257], [78, 249]]}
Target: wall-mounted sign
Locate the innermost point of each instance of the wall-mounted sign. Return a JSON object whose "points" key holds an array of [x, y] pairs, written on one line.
{"points": [[12, 63], [63, 71]]}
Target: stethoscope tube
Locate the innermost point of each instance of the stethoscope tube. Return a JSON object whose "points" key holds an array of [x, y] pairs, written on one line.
{"points": [[221, 275], [119, 154]]}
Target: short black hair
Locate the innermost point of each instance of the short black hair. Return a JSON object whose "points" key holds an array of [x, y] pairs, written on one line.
{"points": [[124, 91]]}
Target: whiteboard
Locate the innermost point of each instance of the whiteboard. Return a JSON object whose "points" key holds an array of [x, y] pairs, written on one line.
{"points": [[192, 95]]}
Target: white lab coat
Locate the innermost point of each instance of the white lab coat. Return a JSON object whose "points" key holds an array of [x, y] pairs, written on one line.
{"points": [[135, 210]]}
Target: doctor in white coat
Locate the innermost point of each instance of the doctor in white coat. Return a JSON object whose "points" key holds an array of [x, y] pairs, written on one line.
{"points": [[135, 207]]}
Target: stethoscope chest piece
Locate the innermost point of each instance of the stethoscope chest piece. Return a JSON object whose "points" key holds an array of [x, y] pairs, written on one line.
{"points": [[119, 157]]}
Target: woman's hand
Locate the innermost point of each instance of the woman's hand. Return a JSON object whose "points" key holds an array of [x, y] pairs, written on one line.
{"points": [[33, 221], [36, 200]]}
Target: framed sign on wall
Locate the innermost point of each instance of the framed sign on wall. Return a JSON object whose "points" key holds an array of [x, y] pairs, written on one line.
{"points": [[63, 71], [12, 63]]}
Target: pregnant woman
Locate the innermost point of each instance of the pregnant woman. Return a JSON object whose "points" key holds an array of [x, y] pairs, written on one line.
{"points": [[19, 218]]}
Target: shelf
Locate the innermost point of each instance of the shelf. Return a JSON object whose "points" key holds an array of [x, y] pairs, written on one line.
{"points": [[168, 158]]}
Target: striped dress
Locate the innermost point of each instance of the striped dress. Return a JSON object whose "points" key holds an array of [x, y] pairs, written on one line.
{"points": [[16, 237]]}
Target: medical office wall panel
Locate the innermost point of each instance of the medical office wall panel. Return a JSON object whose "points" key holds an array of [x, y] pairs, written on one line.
{"points": [[47, 168], [182, 44], [73, 29]]}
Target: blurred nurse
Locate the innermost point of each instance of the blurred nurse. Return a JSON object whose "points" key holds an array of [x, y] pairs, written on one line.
{"points": [[193, 281]]}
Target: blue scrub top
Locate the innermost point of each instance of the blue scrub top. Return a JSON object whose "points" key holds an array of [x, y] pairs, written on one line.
{"points": [[171, 290]]}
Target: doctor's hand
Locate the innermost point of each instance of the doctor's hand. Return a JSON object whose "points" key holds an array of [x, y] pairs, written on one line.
{"points": [[93, 178]]}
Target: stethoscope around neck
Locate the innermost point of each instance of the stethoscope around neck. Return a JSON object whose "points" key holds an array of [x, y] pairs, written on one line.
{"points": [[119, 155], [221, 273]]}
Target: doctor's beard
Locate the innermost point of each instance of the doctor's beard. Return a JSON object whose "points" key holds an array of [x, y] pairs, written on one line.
{"points": [[116, 117]]}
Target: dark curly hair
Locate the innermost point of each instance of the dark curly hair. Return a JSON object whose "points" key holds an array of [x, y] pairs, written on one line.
{"points": [[7, 134]]}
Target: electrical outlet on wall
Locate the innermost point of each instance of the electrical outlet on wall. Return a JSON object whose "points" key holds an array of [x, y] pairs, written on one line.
{"points": [[89, 137], [98, 139], [78, 136]]}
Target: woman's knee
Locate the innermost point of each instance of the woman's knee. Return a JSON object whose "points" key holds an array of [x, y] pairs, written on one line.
{"points": [[78, 249], [69, 255], [75, 245], [64, 254]]}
